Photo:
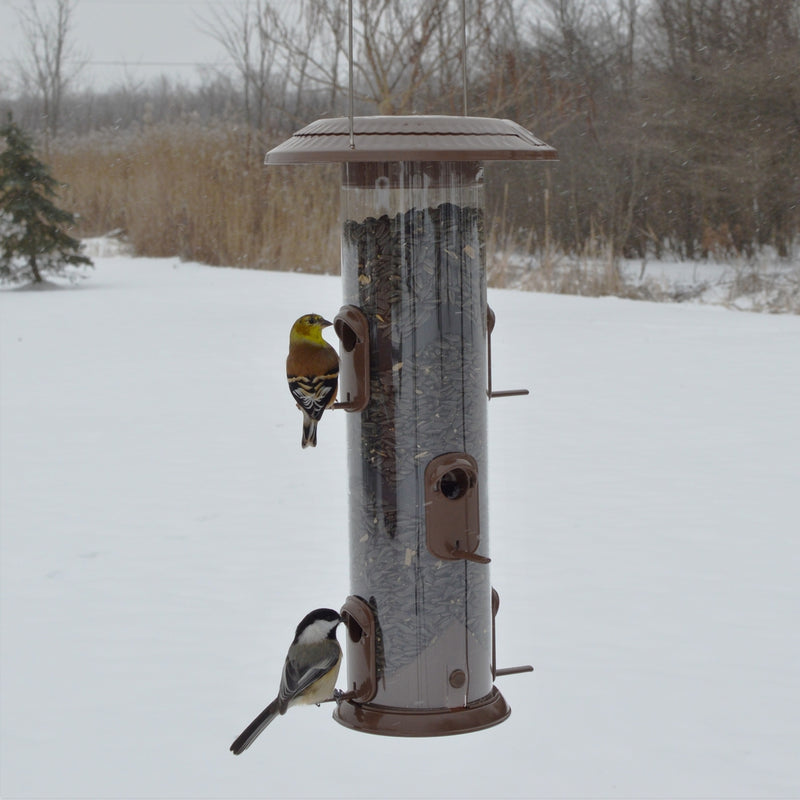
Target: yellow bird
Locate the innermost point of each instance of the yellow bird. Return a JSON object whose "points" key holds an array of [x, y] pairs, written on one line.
{"points": [[312, 369]]}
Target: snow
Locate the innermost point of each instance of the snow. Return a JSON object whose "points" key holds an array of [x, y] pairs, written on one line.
{"points": [[163, 533]]}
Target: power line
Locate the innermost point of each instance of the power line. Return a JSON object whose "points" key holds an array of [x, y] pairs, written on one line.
{"points": [[156, 63], [134, 63], [137, 2]]}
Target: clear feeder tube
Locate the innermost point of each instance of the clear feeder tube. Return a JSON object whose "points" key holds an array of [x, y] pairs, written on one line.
{"points": [[413, 261]]}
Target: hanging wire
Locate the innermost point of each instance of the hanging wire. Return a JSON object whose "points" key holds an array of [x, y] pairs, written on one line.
{"points": [[463, 51], [350, 71]]}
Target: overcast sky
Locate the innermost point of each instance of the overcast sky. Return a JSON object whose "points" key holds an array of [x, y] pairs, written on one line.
{"points": [[127, 39]]}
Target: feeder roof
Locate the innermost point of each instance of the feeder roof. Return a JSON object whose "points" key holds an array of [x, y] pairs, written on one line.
{"points": [[411, 138]]}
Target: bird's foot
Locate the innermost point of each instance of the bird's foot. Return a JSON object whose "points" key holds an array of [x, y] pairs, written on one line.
{"points": [[340, 697]]}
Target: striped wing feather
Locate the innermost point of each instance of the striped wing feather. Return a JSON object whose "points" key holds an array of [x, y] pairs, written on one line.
{"points": [[314, 393]]}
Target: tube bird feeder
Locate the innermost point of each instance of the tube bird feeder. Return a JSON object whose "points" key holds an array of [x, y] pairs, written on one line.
{"points": [[415, 378]]}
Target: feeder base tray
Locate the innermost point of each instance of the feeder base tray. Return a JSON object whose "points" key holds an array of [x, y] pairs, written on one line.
{"points": [[390, 721]]}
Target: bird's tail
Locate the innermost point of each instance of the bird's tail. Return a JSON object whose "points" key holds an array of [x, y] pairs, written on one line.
{"points": [[251, 732], [309, 431]]}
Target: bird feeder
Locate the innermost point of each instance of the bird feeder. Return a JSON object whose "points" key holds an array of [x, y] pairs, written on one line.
{"points": [[415, 378]]}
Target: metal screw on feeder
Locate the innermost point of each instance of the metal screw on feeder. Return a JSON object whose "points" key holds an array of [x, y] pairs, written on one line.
{"points": [[414, 374]]}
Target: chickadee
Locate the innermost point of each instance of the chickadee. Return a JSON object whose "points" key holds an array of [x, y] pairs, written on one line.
{"points": [[309, 672]]}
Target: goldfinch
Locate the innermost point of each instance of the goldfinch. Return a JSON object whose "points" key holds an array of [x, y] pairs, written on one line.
{"points": [[312, 369]]}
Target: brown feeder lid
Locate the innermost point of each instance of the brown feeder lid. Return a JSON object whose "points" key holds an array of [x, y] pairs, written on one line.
{"points": [[411, 138]]}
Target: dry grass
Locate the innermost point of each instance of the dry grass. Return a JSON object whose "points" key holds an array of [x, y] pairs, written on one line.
{"points": [[515, 263], [201, 192], [765, 288]]}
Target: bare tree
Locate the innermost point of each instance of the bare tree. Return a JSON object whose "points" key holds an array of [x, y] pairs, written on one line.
{"points": [[245, 33], [407, 55], [49, 64], [723, 92]]}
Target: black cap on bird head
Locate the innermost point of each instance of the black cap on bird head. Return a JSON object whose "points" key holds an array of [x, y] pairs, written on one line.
{"points": [[321, 623]]}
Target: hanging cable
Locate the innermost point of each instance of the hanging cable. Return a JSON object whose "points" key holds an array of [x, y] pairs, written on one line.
{"points": [[464, 51], [350, 71]]}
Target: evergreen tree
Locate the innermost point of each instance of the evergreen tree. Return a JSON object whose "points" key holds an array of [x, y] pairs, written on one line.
{"points": [[33, 237]]}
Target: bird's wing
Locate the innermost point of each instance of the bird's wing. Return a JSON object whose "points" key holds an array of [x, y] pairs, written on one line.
{"points": [[322, 657], [314, 393]]}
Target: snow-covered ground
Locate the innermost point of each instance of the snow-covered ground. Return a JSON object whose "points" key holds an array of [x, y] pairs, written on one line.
{"points": [[163, 532]]}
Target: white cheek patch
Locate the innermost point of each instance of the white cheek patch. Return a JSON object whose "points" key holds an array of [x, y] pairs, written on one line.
{"points": [[316, 632]]}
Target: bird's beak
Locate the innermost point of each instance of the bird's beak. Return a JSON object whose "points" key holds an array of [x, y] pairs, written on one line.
{"points": [[325, 323]]}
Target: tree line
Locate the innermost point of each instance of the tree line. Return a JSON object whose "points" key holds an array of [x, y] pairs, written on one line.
{"points": [[677, 121]]}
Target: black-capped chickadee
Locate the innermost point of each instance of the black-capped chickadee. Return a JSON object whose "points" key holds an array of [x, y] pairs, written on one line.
{"points": [[309, 672]]}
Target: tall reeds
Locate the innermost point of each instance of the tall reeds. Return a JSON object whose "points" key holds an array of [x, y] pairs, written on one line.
{"points": [[200, 191]]}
